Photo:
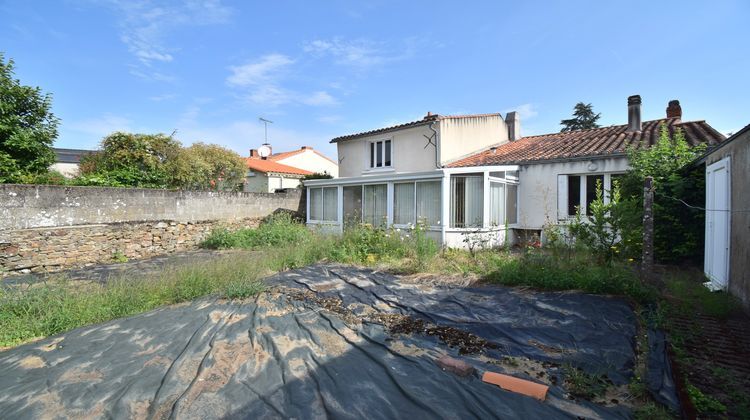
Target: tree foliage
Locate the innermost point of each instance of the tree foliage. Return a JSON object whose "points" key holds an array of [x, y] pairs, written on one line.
{"points": [[159, 161], [208, 166], [583, 118], [27, 128], [678, 229], [131, 160]]}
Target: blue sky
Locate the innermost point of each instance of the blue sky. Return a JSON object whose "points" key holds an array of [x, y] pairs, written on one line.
{"points": [[320, 69]]}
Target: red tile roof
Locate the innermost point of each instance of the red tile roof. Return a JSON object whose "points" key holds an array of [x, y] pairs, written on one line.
{"points": [[266, 166], [603, 141], [426, 120]]}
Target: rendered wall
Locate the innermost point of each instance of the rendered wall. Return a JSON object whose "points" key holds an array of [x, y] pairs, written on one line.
{"points": [[31, 206], [49, 228], [409, 153], [537, 194], [309, 160]]}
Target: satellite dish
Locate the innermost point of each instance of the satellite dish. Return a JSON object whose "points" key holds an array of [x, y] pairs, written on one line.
{"points": [[264, 151]]}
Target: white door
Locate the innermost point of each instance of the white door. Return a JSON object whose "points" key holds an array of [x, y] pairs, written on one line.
{"points": [[718, 218]]}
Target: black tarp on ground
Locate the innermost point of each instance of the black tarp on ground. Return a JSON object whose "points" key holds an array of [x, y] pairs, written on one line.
{"points": [[273, 356]]}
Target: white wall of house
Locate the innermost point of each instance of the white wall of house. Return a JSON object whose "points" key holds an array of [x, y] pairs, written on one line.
{"points": [[311, 161], [68, 170], [538, 183], [409, 153], [268, 183], [464, 136]]}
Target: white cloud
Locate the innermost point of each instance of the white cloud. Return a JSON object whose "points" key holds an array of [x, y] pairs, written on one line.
{"points": [[525, 111], [320, 98], [359, 53], [264, 70], [144, 24], [262, 79]]}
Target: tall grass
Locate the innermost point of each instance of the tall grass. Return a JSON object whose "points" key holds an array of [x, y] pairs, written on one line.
{"points": [[60, 305], [283, 244]]}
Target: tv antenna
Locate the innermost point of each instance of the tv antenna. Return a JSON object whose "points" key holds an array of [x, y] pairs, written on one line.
{"points": [[265, 127], [265, 150]]}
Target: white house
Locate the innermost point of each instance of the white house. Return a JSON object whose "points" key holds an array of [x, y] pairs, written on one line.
{"points": [[68, 160], [281, 171], [308, 159], [474, 176]]}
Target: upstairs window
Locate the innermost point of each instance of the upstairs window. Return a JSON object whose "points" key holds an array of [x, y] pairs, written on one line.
{"points": [[380, 154]]}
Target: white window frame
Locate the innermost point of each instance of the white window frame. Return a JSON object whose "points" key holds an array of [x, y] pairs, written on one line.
{"points": [[322, 204], [413, 223], [562, 192], [371, 160]]}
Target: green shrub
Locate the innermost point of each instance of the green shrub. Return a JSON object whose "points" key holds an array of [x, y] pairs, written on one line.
{"points": [[279, 230]]}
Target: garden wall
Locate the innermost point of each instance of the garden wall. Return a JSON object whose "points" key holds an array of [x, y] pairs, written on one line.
{"points": [[49, 228]]}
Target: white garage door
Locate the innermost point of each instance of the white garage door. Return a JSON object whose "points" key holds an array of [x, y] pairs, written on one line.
{"points": [[716, 259]]}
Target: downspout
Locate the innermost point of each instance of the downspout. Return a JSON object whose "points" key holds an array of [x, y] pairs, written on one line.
{"points": [[437, 141]]}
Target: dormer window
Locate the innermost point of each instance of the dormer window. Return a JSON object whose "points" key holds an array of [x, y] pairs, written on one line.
{"points": [[380, 154]]}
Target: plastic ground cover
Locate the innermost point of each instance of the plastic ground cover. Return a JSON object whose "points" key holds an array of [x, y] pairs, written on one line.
{"points": [[327, 341]]}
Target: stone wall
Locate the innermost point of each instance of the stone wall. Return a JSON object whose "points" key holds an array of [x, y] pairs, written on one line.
{"points": [[31, 206], [54, 249], [49, 228]]}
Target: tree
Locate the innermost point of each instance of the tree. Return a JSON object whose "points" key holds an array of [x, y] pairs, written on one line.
{"points": [[27, 128], [208, 166], [583, 118], [678, 230], [131, 160]]}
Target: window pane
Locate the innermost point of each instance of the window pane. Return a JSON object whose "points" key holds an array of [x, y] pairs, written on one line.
{"points": [[372, 155], [316, 203], [428, 203], [593, 182], [352, 205], [374, 209], [330, 204], [467, 199], [379, 150], [511, 175], [497, 204], [387, 153], [574, 194], [403, 203], [512, 204]]}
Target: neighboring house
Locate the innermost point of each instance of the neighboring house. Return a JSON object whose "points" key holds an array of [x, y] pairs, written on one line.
{"points": [[474, 178], [267, 176], [308, 159], [727, 253], [282, 171], [67, 161]]}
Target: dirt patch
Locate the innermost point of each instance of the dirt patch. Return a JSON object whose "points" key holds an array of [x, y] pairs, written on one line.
{"points": [[406, 349], [52, 345], [76, 376], [139, 409], [440, 280], [32, 362], [466, 342]]}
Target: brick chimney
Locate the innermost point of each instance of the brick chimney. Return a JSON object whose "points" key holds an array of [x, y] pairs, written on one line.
{"points": [[430, 116], [513, 121], [254, 153], [634, 113], [674, 110]]}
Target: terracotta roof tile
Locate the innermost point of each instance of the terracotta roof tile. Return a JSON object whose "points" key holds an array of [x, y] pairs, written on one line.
{"points": [[266, 166], [602, 141]]}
